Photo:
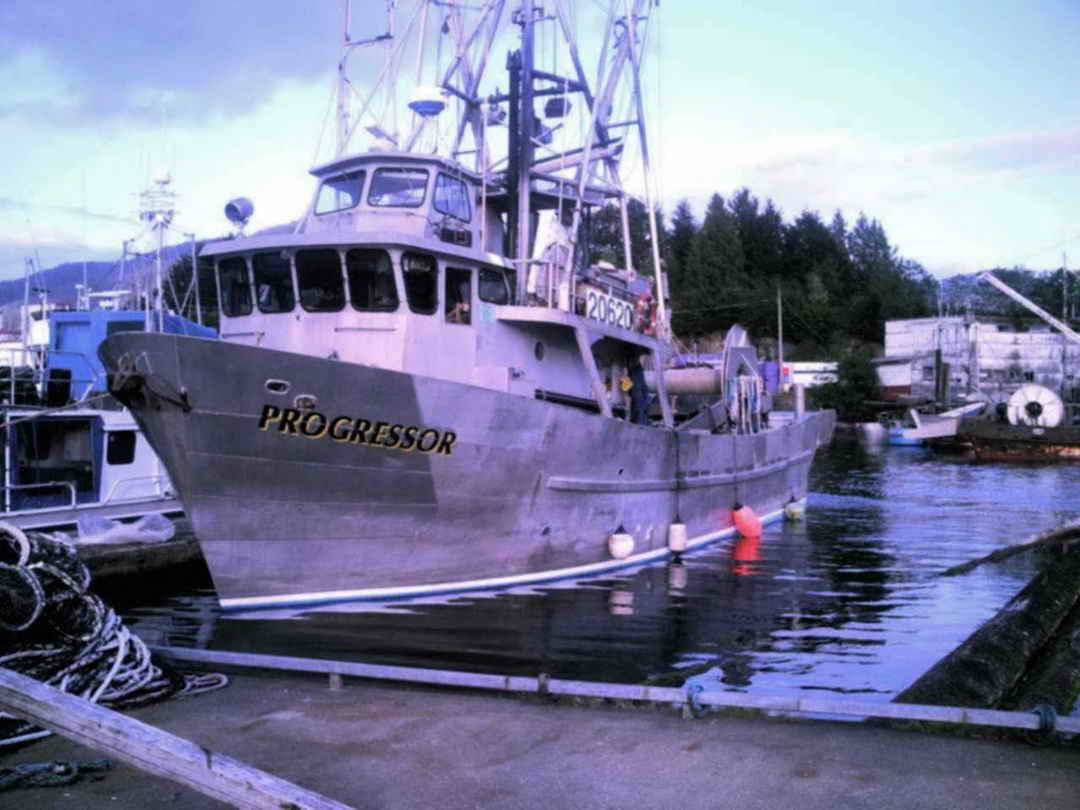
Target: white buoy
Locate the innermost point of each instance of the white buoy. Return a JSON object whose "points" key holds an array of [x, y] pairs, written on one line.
{"points": [[621, 603], [621, 545], [795, 510], [676, 538]]}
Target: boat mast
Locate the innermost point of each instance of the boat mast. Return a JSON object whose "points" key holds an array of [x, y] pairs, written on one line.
{"points": [[343, 86], [521, 147], [635, 70]]}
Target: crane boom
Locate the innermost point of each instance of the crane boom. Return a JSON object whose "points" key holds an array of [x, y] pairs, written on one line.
{"points": [[1042, 313]]}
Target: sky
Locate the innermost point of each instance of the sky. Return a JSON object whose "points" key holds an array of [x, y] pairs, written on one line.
{"points": [[955, 123]]}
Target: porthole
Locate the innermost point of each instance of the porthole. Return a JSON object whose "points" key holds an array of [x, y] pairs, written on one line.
{"points": [[538, 350], [277, 386]]}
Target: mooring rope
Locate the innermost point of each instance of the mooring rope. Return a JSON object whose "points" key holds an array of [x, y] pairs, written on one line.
{"points": [[53, 629]]}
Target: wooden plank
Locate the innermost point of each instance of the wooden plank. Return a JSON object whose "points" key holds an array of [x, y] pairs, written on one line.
{"points": [[153, 750]]}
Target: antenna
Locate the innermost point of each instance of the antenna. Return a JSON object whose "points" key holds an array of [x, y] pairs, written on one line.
{"points": [[157, 207]]}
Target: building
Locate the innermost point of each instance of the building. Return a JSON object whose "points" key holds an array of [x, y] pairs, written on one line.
{"points": [[983, 357]]}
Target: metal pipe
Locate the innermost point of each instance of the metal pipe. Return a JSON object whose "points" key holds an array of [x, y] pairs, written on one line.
{"points": [[619, 691]]}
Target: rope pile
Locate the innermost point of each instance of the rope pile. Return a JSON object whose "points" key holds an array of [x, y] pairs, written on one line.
{"points": [[53, 629]]}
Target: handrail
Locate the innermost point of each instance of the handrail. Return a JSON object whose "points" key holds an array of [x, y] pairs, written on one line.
{"points": [[158, 479], [68, 484]]}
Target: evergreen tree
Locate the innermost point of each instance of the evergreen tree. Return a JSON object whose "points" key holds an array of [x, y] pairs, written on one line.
{"points": [[715, 277], [761, 234], [677, 249]]}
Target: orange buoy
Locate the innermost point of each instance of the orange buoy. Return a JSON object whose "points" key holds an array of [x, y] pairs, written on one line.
{"points": [[746, 522]]}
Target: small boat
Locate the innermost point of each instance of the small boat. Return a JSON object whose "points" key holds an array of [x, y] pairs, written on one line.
{"points": [[926, 426], [70, 449], [428, 385]]}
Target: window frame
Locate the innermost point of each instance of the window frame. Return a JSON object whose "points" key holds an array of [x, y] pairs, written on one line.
{"points": [[505, 286], [405, 256], [359, 196], [300, 287], [291, 276], [384, 170], [223, 299], [439, 176], [393, 279], [112, 440], [466, 311]]}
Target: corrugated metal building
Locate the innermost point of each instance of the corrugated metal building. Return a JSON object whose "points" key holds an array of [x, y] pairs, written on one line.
{"points": [[987, 357]]}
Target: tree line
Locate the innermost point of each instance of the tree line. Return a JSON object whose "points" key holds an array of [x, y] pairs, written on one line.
{"points": [[839, 283]]}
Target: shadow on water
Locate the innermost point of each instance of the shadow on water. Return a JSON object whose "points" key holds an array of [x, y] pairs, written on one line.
{"points": [[846, 601]]}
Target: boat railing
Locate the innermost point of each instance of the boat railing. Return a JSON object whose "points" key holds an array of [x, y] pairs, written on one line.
{"points": [[552, 286], [27, 384], [9, 490], [156, 482]]}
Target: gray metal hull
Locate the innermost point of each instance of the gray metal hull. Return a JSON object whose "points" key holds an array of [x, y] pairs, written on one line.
{"points": [[524, 489]]}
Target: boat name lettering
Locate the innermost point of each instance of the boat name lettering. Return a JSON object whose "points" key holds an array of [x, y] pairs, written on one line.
{"points": [[349, 430]]}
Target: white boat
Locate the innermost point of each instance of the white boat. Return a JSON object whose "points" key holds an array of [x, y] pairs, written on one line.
{"points": [[69, 448], [422, 390]]}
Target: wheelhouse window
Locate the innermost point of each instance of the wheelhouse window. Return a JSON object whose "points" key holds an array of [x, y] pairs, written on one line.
{"points": [[340, 192], [421, 282], [371, 280], [235, 286], [273, 282], [493, 287], [112, 327], [318, 275], [458, 296], [120, 447], [398, 188], [452, 197]]}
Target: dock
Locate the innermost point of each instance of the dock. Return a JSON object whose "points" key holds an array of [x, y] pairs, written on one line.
{"points": [[367, 744]]}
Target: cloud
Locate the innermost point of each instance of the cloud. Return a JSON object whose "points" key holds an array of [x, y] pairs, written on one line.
{"points": [[135, 60], [961, 203], [73, 210]]}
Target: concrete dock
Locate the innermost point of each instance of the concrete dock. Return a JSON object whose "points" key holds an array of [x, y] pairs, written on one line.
{"points": [[377, 745]]}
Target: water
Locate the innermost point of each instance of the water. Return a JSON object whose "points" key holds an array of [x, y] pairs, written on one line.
{"points": [[848, 601]]}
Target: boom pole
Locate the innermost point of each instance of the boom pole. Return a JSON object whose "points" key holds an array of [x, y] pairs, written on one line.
{"points": [[990, 278]]}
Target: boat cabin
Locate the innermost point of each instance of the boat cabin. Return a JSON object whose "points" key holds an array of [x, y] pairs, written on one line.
{"points": [[398, 264]]}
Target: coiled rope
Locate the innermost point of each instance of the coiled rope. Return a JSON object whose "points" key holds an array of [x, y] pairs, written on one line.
{"points": [[53, 629]]}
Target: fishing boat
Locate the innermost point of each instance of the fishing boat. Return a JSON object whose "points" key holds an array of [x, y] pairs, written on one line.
{"points": [[429, 385]]}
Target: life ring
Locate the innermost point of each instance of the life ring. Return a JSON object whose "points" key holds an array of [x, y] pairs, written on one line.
{"points": [[645, 315]]}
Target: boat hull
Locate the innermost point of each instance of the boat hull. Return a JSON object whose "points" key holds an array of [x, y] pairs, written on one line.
{"points": [[361, 482]]}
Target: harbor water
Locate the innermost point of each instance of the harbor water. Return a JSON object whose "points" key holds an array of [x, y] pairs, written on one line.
{"points": [[850, 600]]}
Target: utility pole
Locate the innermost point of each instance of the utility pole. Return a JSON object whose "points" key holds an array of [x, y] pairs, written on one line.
{"points": [[780, 334]]}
